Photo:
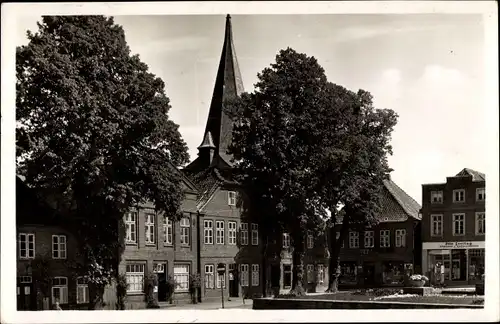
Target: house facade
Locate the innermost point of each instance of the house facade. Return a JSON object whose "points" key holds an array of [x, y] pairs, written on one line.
{"points": [[453, 228], [47, 257], [159, 246], [383, 254]]}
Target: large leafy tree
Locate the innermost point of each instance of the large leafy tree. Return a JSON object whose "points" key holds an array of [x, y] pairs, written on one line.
{"points": [[353, 166], [273, 144], [93, 133]]}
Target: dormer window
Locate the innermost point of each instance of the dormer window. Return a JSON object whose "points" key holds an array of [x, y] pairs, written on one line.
{"points": [[231, 198], [436, 197], [459, 195]]}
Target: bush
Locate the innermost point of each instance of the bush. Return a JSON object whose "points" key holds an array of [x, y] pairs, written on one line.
{"points": [[150, 283], [121, 291]]}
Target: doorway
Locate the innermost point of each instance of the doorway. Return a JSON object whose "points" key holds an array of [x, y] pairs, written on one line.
{"points": [[26, 297], [287, 276], [160, 269], [369, 274], [233, 280]]}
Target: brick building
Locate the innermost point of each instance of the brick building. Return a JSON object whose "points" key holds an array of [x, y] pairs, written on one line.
{"points": [[47, 256], [380, 256], [154, 244], [453, 227]]}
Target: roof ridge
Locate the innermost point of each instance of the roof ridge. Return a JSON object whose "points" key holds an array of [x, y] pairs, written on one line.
{"points": [[388, 183]]}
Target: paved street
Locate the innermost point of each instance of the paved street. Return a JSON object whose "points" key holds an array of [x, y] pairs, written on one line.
{"points": [[216, 304]]}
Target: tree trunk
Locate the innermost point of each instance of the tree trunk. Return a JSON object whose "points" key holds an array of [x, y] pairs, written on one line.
{"points": [[334, 249], [265, 280], [298, 266], [96, 295]]}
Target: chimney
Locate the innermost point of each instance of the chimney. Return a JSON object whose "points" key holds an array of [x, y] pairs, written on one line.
{"points": [[206, 150]]}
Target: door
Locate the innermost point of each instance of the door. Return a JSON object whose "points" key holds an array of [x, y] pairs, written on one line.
{"points": [[233, 280], [26, 299], [161, 272], [369, 274], [287, 276]]}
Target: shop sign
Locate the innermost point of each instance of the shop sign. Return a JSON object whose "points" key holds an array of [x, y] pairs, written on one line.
{"points": [[453, 245]]}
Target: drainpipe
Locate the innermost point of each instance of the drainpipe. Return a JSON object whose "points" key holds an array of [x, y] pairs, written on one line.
{"points": [[198, 250]]}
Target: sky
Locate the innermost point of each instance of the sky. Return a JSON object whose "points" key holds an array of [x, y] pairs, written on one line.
{"points": [[428, 68]]}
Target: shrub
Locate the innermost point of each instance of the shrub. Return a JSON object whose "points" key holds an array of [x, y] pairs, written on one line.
{"points": [[121, 291], [150, 282]]}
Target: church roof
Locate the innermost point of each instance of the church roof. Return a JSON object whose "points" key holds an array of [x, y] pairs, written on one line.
{"points": [[228, 83], [476, 175]]}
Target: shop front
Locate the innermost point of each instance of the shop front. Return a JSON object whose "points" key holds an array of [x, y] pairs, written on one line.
{"points": [[454, 263]]}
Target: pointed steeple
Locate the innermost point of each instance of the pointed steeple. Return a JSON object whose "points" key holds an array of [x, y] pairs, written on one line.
{"points": [[228, 83]]}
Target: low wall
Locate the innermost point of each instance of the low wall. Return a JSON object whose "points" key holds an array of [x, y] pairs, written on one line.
{"points": [[278, 303]]}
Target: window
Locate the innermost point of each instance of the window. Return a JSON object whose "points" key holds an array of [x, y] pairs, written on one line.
{"points": [[337, 237], [400, 238], [231, 198], [168, 233], [208, 232], [150, 229], [286, 240], [369, 239], [255, 234], [480, 194], [159, 267], [458, 224], [310, 273], [385, 238], [209, 276], [310, 241], [26, 246], [353, 240], [181, 277], [244, 233], [436, 225], [130, 225], [480, 224], [221, 280], [60, 290], [82, 290], [185, 226], [321, 273], [244, 275], [459, 195], [58, 246], [231, 233], [135, 277], [219, 232], [436, 197], [255, 275]]}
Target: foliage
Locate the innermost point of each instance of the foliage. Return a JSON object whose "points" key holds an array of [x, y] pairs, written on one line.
{"points": [[150, 282], [171, 284], [121, 291], [273, 145], [93, 131], [41, 274], [195, 280]]}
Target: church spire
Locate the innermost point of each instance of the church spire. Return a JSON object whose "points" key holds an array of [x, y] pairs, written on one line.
{"points": [[228, 84]]}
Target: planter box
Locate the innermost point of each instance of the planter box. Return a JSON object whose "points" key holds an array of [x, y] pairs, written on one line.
{"points": [[417, 283]]}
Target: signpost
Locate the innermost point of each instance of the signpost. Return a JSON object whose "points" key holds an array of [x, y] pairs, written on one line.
{"points": [[221, 271]]}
